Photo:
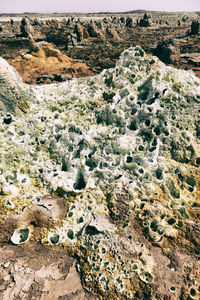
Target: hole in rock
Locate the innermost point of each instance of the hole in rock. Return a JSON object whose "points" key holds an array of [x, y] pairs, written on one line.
{"points": [[129, 159], [8, 120], [80, 220], [70, 148], [117, 177], [154, 225], [148, 123], [23, 235], [140, 148], [165, 123], [151, 101], [171, 221], [133, 125], [144, 93], [157, 130], [152, 149], [154, 142], [166, 133], [54, 239], [43, 118], [195, 204], [133, 111], [180, 224], [157, 94], [70, 234], [159, 174], [148, 277], [192, 292], [91, 163], [164, 91], [190, 181], [91, 230], [64, 166], [80, 182]]}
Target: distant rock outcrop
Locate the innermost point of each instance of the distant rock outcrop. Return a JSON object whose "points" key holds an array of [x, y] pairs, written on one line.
{"points": [[146, 20], [129, 22], [81, 32], [93, 30], [168, 52], [26, 27], [194, 27]]}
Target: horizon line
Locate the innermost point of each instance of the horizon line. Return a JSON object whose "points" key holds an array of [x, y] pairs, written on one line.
{"points": [[100, 12]]}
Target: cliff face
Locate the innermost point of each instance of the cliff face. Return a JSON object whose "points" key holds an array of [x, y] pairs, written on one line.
{"points": [[108, 167]]}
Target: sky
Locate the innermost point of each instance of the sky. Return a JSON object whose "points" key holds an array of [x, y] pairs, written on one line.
{"points": [[51, 6]]}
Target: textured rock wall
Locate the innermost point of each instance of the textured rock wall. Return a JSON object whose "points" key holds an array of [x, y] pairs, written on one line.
{"points": [[122, 152]]}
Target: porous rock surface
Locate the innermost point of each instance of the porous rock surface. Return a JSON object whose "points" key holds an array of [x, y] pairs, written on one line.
{"points": [[108, 167]]}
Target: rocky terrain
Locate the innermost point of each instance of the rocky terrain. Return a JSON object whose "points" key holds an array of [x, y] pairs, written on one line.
{"points": [[99, 156], [99, 183], [96, 40]]}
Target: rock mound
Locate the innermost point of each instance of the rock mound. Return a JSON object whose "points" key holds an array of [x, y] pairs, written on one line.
{"points": [[122, 152]]}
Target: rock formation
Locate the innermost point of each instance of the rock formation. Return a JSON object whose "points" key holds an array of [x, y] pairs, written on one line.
{"points": [[146, 20], [92, 30], [168, 52], [108, 168], [26, 27], [129, 22], [44, 64], [194, 27]]}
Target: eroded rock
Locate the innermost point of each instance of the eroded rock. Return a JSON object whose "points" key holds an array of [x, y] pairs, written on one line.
{"points": [[168, 52], [122, 152], [194, 27]]}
